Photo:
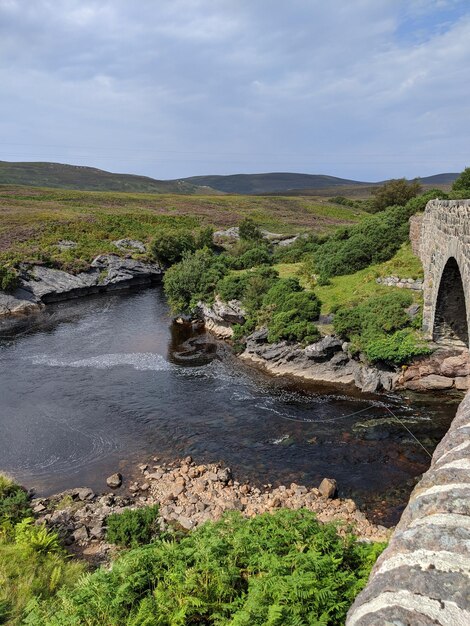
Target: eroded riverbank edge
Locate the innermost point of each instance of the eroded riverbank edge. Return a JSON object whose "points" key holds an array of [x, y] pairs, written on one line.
{"points": [[188, 494]]}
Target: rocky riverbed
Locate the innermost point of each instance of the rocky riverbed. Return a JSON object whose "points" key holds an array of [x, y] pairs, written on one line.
{"points": [[188, 495]]}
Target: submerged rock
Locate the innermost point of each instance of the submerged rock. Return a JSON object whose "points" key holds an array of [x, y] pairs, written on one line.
{"points": [[114, 481]]}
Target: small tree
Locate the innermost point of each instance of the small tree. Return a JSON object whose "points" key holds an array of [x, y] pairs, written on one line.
{"points": [[394, 192], [249, 231], [462, 184]]}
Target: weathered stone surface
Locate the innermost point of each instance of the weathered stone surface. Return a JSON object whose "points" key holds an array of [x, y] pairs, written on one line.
{"points": [[403, 283], [433, 381], [220, 316], [114, 481], [328, 488], [130, 244], [423, 577], [40, 285]]}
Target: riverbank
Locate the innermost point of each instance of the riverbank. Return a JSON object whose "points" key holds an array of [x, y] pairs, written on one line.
{"points": [[188, 495], [39, 285], [328, 361]]}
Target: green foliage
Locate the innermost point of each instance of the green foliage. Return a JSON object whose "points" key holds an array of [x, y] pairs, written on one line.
{"points": [[204, 238], [258, 255], [249, 231], [418, 204], [288, 312], [398, 348], [285, 569], [372, 328], [194, 278], [169, 245], [394, 192], [33, 565], [295, 252], [133, 527], [14, 502], [461, 185], [375, 240], [8, 278]]}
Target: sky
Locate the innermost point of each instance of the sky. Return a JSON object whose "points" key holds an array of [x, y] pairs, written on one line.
{"points": [[362, 89]]}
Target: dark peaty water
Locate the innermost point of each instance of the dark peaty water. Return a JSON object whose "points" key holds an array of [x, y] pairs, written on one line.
{"points": [[99, 384]]}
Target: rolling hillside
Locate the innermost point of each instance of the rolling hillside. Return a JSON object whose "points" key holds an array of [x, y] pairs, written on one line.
{"points": [[57, 175]]}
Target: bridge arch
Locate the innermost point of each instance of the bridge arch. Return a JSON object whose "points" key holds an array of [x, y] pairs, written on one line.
{"points": [[443, 245], [450, 314]]}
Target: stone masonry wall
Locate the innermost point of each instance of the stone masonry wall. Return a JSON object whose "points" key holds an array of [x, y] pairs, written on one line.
{"points": [[423, 577], [444, 234]]}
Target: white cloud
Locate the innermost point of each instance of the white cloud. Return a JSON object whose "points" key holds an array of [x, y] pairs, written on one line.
{"points": [[195, 86]]}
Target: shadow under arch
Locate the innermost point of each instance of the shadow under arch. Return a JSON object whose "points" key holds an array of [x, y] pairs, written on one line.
{"points": [[450, 320]]}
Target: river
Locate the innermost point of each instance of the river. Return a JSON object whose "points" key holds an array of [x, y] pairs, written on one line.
{"points": [[99, 384]]}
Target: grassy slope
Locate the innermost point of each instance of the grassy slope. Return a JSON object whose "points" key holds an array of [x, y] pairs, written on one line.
{"points": [[346, 290], [33, 220]]}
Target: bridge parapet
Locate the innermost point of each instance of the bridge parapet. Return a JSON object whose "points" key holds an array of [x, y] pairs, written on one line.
{"points": [[423, 577]]}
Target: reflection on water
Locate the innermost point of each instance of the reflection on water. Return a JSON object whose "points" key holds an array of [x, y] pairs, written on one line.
{"points": [[100, 383]]}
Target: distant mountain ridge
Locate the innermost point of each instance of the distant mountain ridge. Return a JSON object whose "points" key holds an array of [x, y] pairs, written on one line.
{"points": [[63, 176], [79, 177], [277, 182]]}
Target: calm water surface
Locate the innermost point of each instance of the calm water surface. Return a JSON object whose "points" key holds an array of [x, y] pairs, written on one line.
{"points": [[99, 384]]}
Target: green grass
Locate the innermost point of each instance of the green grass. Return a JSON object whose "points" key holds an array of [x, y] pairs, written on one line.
{"points": [[33, 220], [346, 290]]}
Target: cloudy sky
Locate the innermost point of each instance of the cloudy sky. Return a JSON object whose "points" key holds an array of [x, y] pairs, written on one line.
{"points": [[365, 89]]}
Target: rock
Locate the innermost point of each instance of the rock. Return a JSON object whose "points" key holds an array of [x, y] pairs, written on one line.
{"points": [[431, 382], [39, 508], [130, 244], [328, 488], [85, 494], [224, 475], [114, 481], [323, 349], [81, 534], [66, 244], [97, 532], [462, 383], [456, 365], [144, 487]]}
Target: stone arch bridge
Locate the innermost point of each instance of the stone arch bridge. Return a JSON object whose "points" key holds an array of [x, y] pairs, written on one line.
{"points": [[441, 238]]}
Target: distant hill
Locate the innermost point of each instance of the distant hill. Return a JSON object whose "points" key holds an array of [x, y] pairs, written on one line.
{"points": [[269, 182], [292, 183], [61, 176], [58, 175]]}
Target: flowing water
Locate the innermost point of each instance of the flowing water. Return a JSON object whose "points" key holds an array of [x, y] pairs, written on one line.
{"points": [[94, 385]]}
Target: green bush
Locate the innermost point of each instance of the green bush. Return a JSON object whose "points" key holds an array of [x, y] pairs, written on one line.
{"points": [[259, 255], [394, 192], [170, 244], [282, 568], [375, 240], [194, 278], [133, 527], [9, 279], [232, 287], [461, 186], [287, 326], [249, 287], [14, 502], [204, 238], [372, 328], [399, 348], [295, 252], [249, 231]]}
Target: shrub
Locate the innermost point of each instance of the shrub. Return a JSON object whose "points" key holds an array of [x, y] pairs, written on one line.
{"points": [[248, 287], [372, 328], [249, 231], [36, 538], [461, 185], [281, 568], [14, 502], [204, 238], [287, 326], [133, 527], [169, 245], [194, 278], [295, 252], [232, 287], [375, 240], [399, 348], [9, 279], [251, 258], [394, 192]]}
